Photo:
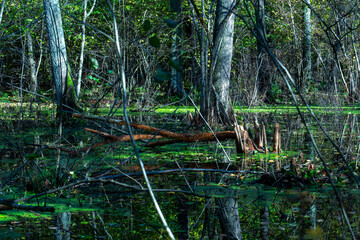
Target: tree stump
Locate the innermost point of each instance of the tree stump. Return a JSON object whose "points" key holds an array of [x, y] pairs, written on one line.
{"points": [[277, 139]]}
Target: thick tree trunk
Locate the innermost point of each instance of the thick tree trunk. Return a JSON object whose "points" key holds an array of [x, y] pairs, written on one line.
{"points": [[306, 47], [221, 63], [63, 224], [64, 86], [229, 217], [263, 77], [176, 72]]}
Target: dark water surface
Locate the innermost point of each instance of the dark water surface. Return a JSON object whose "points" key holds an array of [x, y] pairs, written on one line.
{"points": [[191, 176]]}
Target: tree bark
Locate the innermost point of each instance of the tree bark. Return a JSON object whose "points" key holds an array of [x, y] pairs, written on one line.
{"points": [[221, 63], [64, 86], [229, 217]]}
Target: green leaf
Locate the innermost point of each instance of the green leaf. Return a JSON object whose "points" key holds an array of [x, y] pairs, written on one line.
{"points": [[171, 23], [94, 63], [147, 25], [162, 76], [154, 41], [176, 65]]}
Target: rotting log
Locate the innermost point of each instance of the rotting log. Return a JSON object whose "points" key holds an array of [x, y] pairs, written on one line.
{"points": [[124, 138], [248, 143]]}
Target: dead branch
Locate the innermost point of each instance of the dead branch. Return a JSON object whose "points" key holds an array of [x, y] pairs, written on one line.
{"points": [[248, 143]]}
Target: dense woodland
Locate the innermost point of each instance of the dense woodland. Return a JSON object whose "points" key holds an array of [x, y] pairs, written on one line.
{"points": [[82, 83]]}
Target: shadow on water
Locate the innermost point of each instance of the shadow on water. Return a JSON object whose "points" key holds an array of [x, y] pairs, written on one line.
{"points": [[274, 196]]}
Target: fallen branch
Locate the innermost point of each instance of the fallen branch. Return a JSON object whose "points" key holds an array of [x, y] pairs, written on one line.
{"points": [[175, 137]]}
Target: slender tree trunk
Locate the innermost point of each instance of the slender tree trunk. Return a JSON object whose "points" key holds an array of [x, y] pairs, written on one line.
{"points": [[176, 72], [64, 86], [313, 215], [183, 217], [306, 47], [264, 222], [357, 69], [263, 77], [34, 83], [81, 62], [221, 63], [2, 10], [205, 86]]}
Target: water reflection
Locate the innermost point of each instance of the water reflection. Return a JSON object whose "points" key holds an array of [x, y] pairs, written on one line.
{"points": [[63, 223], [230, 206]]}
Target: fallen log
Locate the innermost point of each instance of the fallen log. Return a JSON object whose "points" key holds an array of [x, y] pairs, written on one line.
{"points": [[174, 137]]}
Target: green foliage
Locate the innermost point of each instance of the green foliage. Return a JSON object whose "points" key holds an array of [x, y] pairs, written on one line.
{"points": [[4, 97], [171, 23], [94, 63], [275, 93], [175, 64], [147, 25], [154, 41], [162, 76]]}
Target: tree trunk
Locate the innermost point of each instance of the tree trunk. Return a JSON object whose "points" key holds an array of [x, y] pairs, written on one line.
{"points": [[81, 62], [63, 224], [263, 77], [176, 72], [264, 222], [2, 10], [183, 217], [229, 217], [221, 63], [34, 83], [64, 86], [205, 86], [306, 47]]}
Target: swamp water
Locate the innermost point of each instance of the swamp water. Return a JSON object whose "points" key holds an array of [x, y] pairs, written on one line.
{"points": [[288, 207]]}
